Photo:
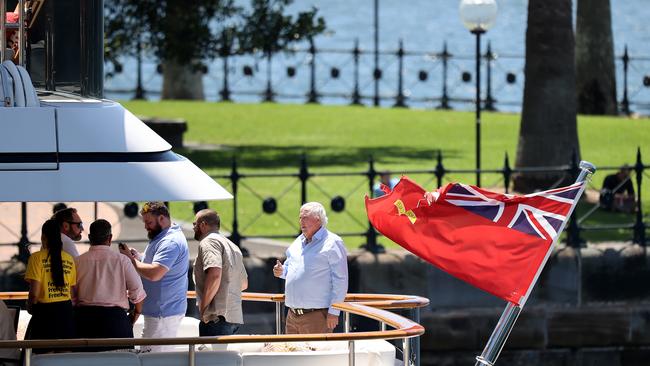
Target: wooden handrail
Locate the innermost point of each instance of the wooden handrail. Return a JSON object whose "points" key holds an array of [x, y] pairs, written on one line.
{"points": [[381, 301], [404, 328]]}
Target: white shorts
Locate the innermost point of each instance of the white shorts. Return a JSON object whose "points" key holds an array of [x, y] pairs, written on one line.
{"points": [[163, 327]]}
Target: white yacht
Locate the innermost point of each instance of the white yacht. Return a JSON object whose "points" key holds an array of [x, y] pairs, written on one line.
{"points": [[61, 142]]}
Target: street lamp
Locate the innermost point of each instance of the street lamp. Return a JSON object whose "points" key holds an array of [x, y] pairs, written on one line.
{"points": [[478, 16]]}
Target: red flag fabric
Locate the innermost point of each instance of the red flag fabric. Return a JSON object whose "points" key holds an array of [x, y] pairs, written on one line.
{"points": [[494, 241]]}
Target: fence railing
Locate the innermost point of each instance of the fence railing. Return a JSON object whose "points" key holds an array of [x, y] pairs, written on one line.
{"points": [[438, 173], [304, 177], [399, 78]]}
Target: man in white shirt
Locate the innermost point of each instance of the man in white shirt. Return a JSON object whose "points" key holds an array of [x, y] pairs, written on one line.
{"points": [[71, 228], [315, 273]]}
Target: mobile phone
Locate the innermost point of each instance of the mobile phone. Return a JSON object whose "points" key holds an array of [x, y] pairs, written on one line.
{"points": [[122, 246]]}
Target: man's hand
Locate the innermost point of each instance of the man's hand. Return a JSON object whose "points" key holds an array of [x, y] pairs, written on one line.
{"points": [[133, 316], [129, 252], [332, 321], [278, 268]]}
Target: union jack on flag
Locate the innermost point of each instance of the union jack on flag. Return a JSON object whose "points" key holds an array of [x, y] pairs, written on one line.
{"points": [[540, 213]]}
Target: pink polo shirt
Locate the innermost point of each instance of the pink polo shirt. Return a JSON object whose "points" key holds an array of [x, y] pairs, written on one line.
{"points": [[105, 278]]}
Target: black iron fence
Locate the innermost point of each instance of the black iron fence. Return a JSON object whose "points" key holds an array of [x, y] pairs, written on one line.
{"points": [[306, 183], [400, 77], [304, 176]]}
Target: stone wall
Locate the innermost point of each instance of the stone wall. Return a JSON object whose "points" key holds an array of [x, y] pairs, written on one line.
{"points": [[590, 307]]}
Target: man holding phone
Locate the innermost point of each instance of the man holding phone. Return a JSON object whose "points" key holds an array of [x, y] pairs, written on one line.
{"points": [[163, 269]]}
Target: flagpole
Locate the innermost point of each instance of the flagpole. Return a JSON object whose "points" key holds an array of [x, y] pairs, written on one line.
{"points": [[510, 314]]}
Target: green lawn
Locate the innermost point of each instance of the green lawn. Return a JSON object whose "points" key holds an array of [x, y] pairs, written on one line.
{"points": [[270, 138]]}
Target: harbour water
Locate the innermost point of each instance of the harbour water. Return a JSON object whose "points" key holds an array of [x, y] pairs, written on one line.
{"points": [[424, 27]]}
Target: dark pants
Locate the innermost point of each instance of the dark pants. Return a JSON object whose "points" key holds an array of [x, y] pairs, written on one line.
{"points": [[217, 327], [103, 322], [54, 320]]}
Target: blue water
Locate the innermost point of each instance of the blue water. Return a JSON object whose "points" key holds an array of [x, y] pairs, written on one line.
{"points": [[423, 26]]}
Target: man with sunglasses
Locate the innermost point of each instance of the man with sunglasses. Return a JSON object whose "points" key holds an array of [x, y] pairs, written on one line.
{"points": [[71, 228]]}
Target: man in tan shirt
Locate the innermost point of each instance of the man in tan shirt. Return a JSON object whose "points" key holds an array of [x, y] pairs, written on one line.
{"points": [[220, 277]]}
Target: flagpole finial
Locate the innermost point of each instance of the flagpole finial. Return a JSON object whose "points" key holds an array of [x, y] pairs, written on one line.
{"points": [[585, 165], [586, 169]]}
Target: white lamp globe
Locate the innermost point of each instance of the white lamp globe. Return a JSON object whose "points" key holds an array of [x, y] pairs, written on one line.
{"points": [[478, 15]]}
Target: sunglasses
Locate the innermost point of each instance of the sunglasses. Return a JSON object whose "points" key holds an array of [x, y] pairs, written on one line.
{"points": [[80, 224]]}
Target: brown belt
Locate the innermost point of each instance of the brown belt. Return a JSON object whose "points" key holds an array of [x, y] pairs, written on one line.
{"points": [[298, 311]]}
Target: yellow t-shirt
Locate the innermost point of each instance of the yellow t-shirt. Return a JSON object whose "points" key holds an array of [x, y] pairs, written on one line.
{"points": [[38, 269]]}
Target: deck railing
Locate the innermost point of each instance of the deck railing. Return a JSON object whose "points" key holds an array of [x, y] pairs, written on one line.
{"points": [[372, 306]]}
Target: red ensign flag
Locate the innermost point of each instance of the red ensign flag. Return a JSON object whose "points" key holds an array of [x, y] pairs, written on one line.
{"points": [[493, 241]]}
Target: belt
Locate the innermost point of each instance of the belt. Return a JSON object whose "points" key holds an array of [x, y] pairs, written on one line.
{"points": [[299, 311]]}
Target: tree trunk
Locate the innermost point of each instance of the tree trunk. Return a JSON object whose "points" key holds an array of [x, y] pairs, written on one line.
{"points": [[181, 82], [548, 133], [595, 70]]}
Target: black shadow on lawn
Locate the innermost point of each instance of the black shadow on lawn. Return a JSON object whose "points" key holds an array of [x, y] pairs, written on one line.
{"points": [[265, 156]]}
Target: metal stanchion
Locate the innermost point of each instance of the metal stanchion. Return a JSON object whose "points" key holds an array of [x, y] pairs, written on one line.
{"points": [[192, 355], [278, 318], [406, 351]]}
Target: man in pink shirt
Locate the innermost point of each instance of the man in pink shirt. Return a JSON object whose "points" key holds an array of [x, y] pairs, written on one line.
{"points": [[104, 278]]}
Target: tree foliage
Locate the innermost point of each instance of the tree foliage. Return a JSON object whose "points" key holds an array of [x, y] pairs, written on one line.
{"points": [[182, 31], [268, 29]]}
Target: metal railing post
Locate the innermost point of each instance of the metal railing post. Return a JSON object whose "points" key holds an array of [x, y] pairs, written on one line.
{"points": [[303, 175], [139, 89], [234, 178], [356, 97], [625, 103], [489, 58], [23, 243], [192, 355], [639, 226], [416, 340], [406, 351], [28, 356], [444, 99], [313, 94], [440, 170], [507, 173], [371, 235], [225, 91], [278, 317], [399, 99], [346, 324], [268, 94], [225, 53], [351, 353]]}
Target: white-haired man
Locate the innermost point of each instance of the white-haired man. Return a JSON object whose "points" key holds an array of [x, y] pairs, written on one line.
{"points": [[316, 274]]}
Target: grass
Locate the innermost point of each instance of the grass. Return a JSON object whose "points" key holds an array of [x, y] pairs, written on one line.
{"points": [[270, 138]]}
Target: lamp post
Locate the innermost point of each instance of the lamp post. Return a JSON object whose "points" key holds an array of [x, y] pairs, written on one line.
{"points": [[478, 16]]}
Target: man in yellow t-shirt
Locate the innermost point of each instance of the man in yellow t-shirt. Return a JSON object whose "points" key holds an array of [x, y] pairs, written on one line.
{"points": [[38, 269]]}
